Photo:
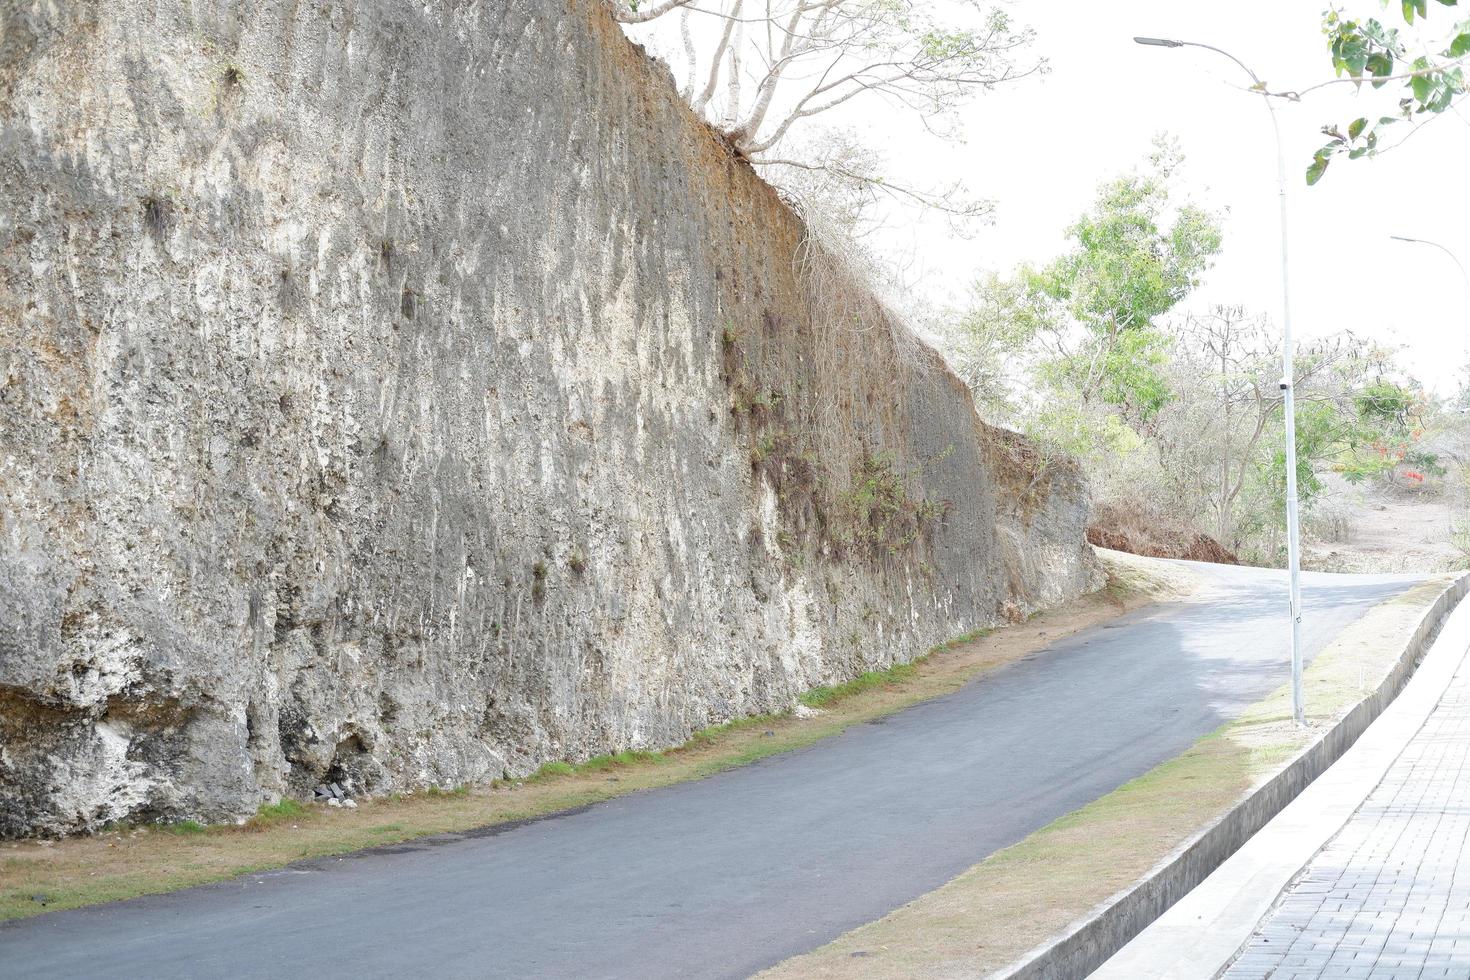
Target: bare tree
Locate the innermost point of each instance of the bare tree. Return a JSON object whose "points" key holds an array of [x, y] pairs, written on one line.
{"points": [[632, 12], [825, 53], [761, 70], [1232, 356], [1227, 401], [836, 171]]}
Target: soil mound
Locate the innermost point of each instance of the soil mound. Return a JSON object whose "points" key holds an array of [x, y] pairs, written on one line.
{"points": [[1124, 527]]}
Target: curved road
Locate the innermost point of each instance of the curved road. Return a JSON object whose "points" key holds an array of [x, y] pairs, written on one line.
{"points": [[727, 875]]}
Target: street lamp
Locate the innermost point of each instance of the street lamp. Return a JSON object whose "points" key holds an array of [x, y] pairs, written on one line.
{"points": [[1293, 556], [1453, 258]]}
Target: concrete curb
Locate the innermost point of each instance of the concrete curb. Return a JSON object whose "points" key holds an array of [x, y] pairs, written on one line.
{"points": [[1086, 944], [1202, 934]]}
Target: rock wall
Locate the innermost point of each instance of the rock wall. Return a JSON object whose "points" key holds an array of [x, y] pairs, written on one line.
{"points": [[413, 393]]}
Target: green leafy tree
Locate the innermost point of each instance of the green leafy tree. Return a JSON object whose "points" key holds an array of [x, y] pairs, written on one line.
{"points": [[1088, 320], [1388, 440]]}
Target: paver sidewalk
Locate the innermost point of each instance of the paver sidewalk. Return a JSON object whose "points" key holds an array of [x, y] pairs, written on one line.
{"points": [[1389, 896]]}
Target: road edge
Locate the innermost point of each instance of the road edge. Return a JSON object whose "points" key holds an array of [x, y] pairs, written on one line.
{"points": [[1090, 941], [1204, 932]]}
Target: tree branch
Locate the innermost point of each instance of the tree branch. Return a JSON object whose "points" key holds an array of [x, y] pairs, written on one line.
{"points": [[623, 12]]}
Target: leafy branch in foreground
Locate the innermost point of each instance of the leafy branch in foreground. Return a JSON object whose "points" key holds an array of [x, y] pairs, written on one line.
{"points": [[1370, 52]]}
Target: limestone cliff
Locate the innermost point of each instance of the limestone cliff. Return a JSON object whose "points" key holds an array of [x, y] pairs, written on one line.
{"points": [[413, 393]]}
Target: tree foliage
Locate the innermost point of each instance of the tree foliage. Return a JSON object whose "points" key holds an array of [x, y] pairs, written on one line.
{"points": [[1090, 316], [1371, 52], [1181, 412]]}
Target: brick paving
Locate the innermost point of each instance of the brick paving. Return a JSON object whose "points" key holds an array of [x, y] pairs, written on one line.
{"points": [[1388, 898]]}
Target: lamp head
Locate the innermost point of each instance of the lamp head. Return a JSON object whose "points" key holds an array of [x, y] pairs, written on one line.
{"points": [[1158, 42]]}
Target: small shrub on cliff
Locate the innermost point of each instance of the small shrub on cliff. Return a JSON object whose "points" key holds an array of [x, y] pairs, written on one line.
{"points": [[878, 513], [538, 582]]}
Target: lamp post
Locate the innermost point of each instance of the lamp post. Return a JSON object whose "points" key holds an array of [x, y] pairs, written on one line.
{"points": [[1453, 258], [1293, 555]]}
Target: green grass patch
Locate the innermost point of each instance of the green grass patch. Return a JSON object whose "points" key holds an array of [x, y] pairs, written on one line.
{"points": [[599, 763], [551, 770], [827, 695], [819, 697], [957, 641], [185, 828], [632, 757], [706, 737], [270, 814]]}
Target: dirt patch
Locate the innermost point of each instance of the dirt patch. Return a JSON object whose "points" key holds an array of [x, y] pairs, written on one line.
{"points": [[1382, 530], [41, 876], [1014, 900], [1130, 528]]}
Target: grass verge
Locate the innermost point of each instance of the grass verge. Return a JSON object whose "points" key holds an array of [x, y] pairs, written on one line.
{"points": [[42, 876], [1009, 903]]}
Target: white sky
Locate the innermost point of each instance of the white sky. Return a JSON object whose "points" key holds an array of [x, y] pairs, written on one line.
{"points": [[1040, 148]]}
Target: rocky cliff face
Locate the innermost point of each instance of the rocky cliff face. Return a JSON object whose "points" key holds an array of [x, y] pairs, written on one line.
{"points": [[410, 394]]}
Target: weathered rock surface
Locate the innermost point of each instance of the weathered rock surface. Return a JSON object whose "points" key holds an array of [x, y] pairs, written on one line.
{"points": [[411, 393]]}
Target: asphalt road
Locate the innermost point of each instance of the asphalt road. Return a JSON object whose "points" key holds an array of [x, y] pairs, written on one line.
{"points": [[727, 875]]}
